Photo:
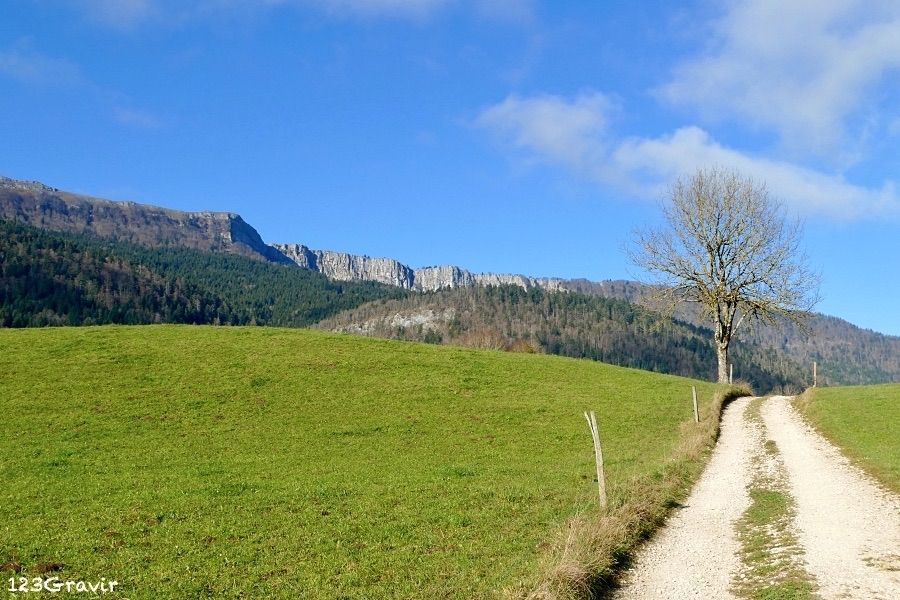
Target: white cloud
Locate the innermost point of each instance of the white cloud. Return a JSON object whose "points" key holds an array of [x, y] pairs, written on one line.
{"points": [[575, 134], [653, 163], [805, 69], [23, 63], [551, 128]]}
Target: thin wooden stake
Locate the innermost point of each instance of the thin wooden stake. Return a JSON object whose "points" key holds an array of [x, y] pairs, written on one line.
{"points": [[696, 412], [814, 374], [731, 373], [598, 455]]}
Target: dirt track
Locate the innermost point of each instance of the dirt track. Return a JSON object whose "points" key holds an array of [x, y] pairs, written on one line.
{"points": [[696, 554], [847, 527]]}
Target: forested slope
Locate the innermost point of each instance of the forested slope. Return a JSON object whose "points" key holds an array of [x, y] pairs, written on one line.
{"points": [[53, 278], [564, 323]]}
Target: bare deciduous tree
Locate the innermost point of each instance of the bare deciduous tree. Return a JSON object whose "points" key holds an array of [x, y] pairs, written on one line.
{"points": [[728, 247]]}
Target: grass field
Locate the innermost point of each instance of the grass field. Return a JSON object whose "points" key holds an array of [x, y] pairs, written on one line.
{"points": [[188, 462], [864, 421]]}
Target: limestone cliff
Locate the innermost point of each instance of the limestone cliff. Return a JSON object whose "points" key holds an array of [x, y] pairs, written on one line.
{"points": [[429, 279], [38, 205], [33, 203], [349, 267]]}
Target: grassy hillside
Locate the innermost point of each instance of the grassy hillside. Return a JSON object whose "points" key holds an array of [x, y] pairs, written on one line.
{"points": [[259, 462], [864, 421]]}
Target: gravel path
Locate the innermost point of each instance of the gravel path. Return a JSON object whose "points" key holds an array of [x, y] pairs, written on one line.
{"points": [[695, 555], [848, 526]]}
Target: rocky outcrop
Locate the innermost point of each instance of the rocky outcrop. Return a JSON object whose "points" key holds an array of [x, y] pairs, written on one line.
{"points": [[38, 205], [349, 267], [424, 320], [299, 254], [550, 284], [429, 279]]}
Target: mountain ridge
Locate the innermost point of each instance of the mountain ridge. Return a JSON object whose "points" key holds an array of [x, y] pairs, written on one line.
{"points": [[850, 353], [39, 205], [343, 266]]}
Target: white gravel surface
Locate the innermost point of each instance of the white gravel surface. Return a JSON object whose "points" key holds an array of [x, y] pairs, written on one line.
{"points": [[696, 554], [849, 527]]}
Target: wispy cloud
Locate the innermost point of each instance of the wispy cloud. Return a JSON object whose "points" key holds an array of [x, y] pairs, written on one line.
{"points": [[650, 164], [120, 14], [25, 64], [137, 118], [128, 14], [575, 134], [373, 8], [502, 10], [804, 69], [511, 11], [552, 129]]}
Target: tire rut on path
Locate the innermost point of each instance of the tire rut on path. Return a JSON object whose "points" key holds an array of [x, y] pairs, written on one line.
{"points": [[848, 526], [696, 554]]}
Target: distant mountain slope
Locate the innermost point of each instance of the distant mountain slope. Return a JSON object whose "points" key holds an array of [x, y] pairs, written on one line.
{"points": [[845, 353], [46, 279], [33, 203], [57, 278], [568, 324]]}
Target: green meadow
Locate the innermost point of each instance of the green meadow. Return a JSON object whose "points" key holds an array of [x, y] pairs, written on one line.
{"points": [[192, 462], [863, 421]]}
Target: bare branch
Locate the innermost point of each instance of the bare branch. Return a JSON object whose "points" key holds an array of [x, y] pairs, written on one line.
{"points": [[728, 247]]}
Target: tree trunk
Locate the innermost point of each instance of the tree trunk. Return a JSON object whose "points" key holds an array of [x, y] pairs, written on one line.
{"points": [[722, 351]]}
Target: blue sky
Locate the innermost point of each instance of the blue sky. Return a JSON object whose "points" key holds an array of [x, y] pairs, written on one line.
{"points": [[499, 135]]}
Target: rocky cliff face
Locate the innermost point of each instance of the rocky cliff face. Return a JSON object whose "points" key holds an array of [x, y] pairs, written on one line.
{"points": [[349, 267], [429, 279], [35, 204], [550, 284]]}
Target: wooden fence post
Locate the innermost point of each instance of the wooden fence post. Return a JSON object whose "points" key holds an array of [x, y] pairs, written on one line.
{"points": [[730, 373], [696, 412], [814, 374], [598, 455]]}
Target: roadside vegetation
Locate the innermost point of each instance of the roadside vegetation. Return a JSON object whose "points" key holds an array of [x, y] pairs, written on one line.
{"points": [[862, 421], [593, 546], [190, 461]]}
